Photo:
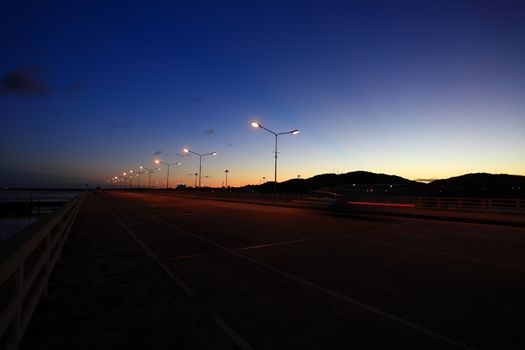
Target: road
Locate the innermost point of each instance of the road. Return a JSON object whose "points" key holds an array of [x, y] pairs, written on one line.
{"points": [[292, 278]]}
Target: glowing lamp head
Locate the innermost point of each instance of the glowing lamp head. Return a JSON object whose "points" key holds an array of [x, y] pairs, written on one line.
{"points": [[141, 167], [255, 124], [157, 161], [123, 174], [178, 163], [186, 150], [214, 154], [295, 132]]}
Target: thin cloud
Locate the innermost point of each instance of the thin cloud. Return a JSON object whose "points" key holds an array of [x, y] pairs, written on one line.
{"points": [[210, 132], [118, 127], [159, 152], [425, 180], [24, 81]]}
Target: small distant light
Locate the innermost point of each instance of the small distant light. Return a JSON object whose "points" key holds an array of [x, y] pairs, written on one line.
{"points": [[186, 150], [157, 161]]}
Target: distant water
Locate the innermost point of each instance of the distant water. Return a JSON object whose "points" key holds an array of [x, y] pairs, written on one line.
{"points": [[42, 195], [44, 202]]}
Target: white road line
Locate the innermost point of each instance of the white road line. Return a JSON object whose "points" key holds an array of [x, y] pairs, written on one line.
{"points": [[240, 342], [270, 245], [252, 247], [315, 286], [189, 293], [230, 333]]}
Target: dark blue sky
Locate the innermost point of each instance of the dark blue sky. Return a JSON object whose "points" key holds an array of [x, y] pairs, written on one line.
{"points": [[422, 89]]}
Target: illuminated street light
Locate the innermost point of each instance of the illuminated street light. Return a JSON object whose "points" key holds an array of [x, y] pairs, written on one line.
{"points": [[187, 150], [138, 177], [139, 172], [168, 165], [124, 177], [149, 171], [116, 181], [293, 132], [130, 178]]}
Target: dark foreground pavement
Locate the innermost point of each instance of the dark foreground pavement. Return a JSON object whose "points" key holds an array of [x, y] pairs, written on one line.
{"points": [[106, 293], [154, 271]]}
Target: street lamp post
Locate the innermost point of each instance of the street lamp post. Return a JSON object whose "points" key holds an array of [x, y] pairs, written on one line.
{"points": [[130, 178], [226, 172], [293, 132], [138, 177], [149, 171], [124, 177], [187, 150], [114, 182], [168, 165]]}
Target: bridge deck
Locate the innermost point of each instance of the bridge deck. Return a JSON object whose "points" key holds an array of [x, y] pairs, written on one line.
{"points": [[156, 271], [107, 294]]}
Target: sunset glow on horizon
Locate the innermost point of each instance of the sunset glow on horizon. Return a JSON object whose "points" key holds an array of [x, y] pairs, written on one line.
{"points": [[415, 89]]}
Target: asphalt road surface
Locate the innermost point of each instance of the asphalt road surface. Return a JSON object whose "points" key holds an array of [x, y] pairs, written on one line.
{"points": [[291, 278]]}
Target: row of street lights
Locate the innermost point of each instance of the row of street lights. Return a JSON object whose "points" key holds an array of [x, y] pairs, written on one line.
{"points": [[168, 165], [149, 172], [188, 150]]}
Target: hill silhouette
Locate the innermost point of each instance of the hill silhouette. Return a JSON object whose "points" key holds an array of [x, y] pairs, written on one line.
{"points": [[364, 182], [481, 184], [341, 183]]}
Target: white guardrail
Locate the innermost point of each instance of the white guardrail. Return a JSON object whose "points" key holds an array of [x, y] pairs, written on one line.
{"points": [[26, 262]]}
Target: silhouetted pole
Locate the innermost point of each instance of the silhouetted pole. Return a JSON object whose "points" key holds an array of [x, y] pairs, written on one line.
{"points": [[294, 132], [187, 150], [168, 165]]}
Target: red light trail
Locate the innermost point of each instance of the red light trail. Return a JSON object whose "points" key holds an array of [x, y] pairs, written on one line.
{"points": [[376, 204]]}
